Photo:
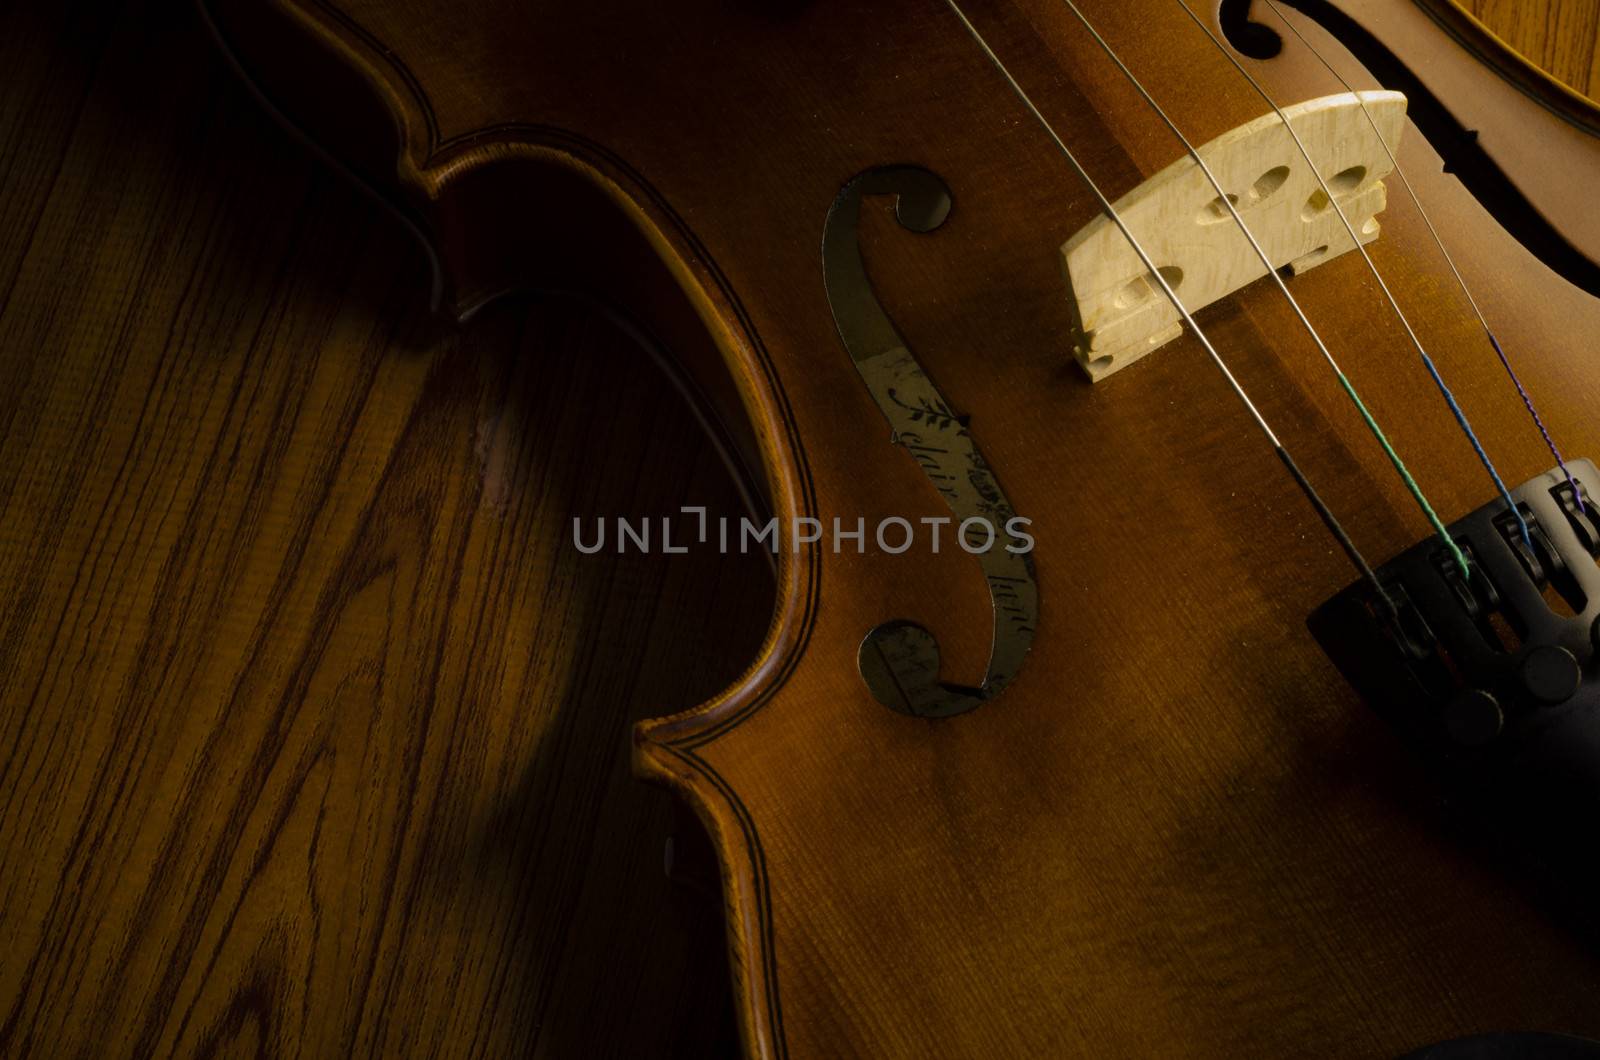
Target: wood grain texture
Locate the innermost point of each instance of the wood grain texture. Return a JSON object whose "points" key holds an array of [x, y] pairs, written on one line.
{"points": [[1561, 37], [313, 726]]}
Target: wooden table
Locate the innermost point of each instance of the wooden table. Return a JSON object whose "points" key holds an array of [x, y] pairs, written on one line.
{"points": [[1562, 36], [314, 724]]}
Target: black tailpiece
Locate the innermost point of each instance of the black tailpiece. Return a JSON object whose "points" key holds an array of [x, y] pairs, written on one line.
{"points": [[1493, 679]]}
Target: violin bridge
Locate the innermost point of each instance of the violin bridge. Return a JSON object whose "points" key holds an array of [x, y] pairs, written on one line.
{"points": [[1119, 312]]}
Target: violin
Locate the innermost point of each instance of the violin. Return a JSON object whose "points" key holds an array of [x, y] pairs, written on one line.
{"points": [[1257, 646]]}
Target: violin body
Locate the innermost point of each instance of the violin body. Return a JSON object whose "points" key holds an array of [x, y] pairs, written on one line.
{"points": [[1177, 827]]}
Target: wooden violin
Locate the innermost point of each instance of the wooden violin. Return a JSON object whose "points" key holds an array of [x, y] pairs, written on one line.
{"points": [[1170, 763]]}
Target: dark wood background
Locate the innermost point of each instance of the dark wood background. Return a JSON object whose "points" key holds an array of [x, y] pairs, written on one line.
{"points": [[312, 723], [1562, 36]]}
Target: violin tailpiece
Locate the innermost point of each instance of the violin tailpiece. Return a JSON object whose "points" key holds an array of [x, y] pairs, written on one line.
{"points": [[1492, 679], [1118, 311]]}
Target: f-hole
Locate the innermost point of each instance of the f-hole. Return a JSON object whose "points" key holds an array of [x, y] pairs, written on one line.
{"points": [[1249, 38], [1456, 144]]}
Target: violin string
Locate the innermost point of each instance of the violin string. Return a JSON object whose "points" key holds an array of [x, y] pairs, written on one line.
{"points": [[1449, 260], [1344, 381], [1324, 513], [1427, 361]]}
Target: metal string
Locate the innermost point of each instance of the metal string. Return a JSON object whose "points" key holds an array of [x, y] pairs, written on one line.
{"points": [[1316, 501], [1344, 381], [1433, 371], [1450, 261]]}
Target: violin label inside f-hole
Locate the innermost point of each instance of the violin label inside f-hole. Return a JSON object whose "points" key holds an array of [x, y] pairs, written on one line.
{"points": [[899, 660], [1119, 313]]}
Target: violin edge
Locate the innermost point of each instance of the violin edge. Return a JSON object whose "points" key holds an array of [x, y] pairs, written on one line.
{"points": [[1506, 61], [423, 187]]}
